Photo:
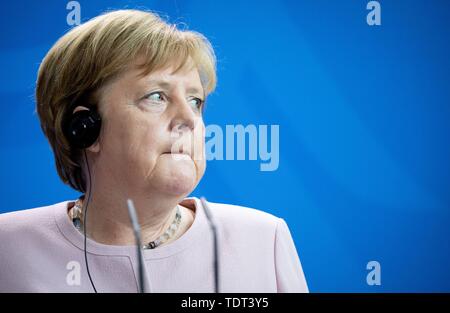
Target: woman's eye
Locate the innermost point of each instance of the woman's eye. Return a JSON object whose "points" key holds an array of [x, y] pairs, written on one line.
{"points": [[159, 97], [196, 102], [155, 96]]}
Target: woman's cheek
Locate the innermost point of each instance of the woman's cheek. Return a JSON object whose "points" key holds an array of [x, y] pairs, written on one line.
{"points": [[200, 166], [149, 107], [199, 141]]}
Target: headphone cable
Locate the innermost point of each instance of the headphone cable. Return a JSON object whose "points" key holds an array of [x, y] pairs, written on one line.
{"points": [[85, 225]]}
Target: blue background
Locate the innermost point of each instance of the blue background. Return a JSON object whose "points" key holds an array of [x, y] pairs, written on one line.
{"points": [[363, 114]]}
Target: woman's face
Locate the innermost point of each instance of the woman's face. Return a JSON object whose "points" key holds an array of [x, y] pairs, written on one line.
{"points": [[152, 134]]}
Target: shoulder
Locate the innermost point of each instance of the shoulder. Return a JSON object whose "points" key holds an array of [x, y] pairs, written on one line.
{"points": [[28, 222], [238, 219], [263, 240], [242, 216], [27, 243], [25, 231]]}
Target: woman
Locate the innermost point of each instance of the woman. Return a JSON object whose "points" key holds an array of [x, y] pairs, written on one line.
{"points": [[120, 99]]}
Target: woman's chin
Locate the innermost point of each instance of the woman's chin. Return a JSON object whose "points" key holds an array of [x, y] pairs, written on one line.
{"points": [[178, 187], [175, 179]]}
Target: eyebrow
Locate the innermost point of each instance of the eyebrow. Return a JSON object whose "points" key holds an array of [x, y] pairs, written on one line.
{"points": [[165, 84]]}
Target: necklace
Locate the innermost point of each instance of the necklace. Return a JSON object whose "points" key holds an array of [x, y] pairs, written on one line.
{"points": [[76, 214]]}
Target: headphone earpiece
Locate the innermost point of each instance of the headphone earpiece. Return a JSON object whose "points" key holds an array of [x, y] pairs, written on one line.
{"points": [[83, 128]]}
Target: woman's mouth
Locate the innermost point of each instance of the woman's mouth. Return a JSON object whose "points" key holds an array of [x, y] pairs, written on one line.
{"points": [[179, 154]]}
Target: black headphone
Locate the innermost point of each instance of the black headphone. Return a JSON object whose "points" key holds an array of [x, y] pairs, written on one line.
{"points": [[82, 128]]}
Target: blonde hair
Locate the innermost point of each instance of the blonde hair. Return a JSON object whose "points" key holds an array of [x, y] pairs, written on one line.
{"points": [[94, 53]]}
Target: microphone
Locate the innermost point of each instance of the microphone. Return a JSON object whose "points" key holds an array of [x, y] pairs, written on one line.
{"points": [[213, 227], [137, 236]]}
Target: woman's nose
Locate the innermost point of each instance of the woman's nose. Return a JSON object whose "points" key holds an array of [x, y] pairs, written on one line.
{"points": [[184, 118]]}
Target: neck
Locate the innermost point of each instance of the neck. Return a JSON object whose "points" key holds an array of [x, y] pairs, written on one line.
{"points": [[108, 221]]}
